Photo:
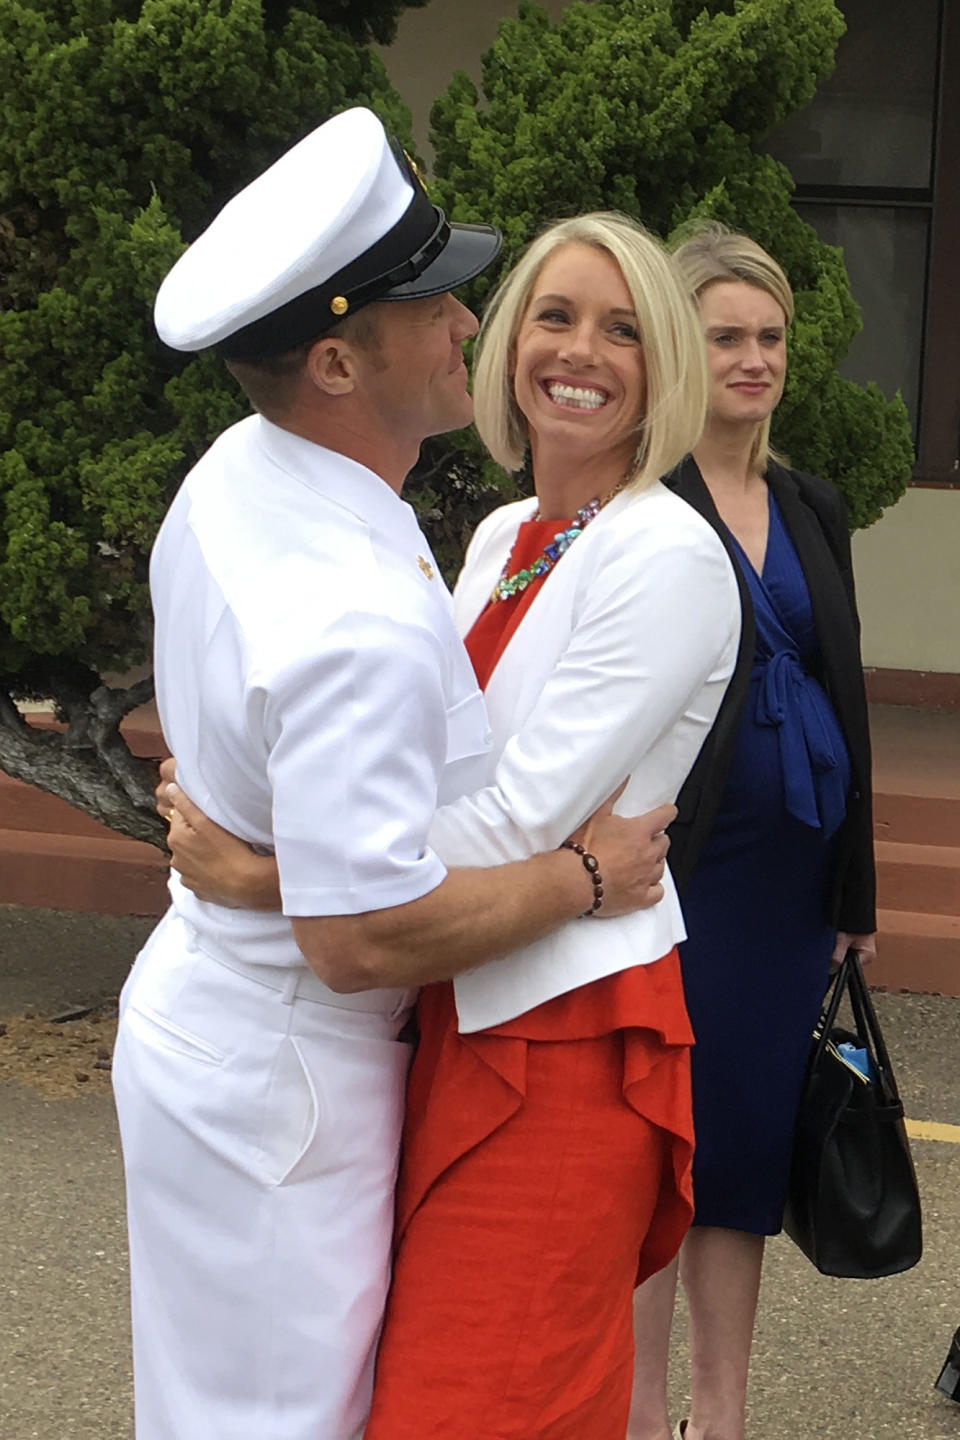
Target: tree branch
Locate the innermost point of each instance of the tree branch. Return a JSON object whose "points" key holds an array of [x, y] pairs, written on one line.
{"points": [[89, 765]]}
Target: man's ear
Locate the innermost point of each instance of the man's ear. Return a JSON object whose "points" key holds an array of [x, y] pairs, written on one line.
{"points": [[332, 365]]}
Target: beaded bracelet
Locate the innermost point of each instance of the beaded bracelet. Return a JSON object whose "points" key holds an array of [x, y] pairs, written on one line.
{"points": [[592, 867]]}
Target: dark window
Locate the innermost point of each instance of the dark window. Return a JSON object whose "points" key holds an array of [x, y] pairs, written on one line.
{"points": [[885, 249], [872, 122], [871, 155]]}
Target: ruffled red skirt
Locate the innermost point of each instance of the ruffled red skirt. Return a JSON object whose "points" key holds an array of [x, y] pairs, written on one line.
{"points": [[546, 1171]]}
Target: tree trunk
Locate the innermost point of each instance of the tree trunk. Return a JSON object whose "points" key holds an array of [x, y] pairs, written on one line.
{"points": [[88, 764]]}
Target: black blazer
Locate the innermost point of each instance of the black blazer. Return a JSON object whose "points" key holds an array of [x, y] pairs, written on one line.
{"points": [[816, 517]]}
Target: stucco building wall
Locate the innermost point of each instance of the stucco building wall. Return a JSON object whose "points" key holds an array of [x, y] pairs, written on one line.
{"points": [[444, 36], [908, 581]]}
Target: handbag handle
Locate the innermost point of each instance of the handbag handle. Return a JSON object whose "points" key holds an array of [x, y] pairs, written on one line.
{"points": [[865, 1018], [849, 978], [828, 1014]]}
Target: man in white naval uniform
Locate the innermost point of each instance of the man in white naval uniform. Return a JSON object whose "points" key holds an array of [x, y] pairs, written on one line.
{"points": [[312, 686]]}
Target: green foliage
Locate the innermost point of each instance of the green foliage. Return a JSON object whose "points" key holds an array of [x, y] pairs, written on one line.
{"points": [[130, 123], [128, 127], [658, 108]]}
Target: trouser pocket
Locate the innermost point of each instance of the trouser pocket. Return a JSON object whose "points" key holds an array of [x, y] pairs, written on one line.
{"points": [[291, 1114]]}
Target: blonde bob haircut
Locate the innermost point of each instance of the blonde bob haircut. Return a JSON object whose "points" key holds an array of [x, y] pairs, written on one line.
{"points": [[713, 255], [673, 350]]}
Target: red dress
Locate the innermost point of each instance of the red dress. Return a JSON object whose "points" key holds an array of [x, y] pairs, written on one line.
{"points": [[546, 1171]]}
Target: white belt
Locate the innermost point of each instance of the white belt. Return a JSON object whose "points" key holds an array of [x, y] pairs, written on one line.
{"points": [[299, 982]]}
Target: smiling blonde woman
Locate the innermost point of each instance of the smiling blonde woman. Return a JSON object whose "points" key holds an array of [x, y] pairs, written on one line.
{"points": [[548, 1139]]}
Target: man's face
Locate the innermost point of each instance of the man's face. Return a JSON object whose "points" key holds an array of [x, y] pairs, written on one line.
{"points": [[413, 373]]}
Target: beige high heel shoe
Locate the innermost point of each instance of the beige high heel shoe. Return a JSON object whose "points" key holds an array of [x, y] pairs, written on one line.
{"points": [[679, 1430]]}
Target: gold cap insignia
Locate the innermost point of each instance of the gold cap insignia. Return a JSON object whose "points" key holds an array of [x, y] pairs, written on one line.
{"points": [[416, 171], [339, 305], [425, 566]]}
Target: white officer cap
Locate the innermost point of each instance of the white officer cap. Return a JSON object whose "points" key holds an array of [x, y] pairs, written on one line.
{"points": [[338, 221]]}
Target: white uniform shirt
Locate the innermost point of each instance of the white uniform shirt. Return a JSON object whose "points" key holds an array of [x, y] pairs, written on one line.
{"points": [[310, 680]]}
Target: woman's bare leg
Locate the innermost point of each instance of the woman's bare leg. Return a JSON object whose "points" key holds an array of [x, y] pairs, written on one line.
{"points": [[652, 1313], [720, 1273]]}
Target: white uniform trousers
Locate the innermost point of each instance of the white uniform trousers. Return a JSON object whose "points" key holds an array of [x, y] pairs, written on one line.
{"points": [[260, 1138]]}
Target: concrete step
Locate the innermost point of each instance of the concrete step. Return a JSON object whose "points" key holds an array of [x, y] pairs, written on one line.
{"points": [[918, 877], [56, 857], [24, 807], [917, 952], [916, 775], [905, 818], [85, 873]]}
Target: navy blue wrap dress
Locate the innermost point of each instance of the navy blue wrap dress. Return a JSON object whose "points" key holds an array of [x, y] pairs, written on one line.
{"points": [[757, 909]]}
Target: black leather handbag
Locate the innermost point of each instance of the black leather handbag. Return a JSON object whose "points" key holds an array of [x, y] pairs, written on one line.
{"points": [[948, 1381], [852, 1203]]}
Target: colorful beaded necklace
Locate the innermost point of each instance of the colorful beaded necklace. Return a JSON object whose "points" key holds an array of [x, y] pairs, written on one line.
{"points": [[509, 585]]}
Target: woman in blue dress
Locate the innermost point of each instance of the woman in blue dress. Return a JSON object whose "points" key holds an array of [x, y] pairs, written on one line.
{"points": [[772, 849]]}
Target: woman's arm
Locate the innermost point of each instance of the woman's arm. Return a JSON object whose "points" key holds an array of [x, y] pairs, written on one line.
{"points": [[855, 901], [834, 518], [219, 867], [213, 863]]}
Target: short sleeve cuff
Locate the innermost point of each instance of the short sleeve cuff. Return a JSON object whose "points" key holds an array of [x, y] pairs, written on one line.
{"points": [[413, 883]]}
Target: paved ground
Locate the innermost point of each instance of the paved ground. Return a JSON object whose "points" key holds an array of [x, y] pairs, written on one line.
{"points": [[842, 1360]]}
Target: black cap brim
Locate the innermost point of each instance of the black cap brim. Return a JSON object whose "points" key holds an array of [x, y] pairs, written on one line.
{"points": [[468, 252], [460, 253]]}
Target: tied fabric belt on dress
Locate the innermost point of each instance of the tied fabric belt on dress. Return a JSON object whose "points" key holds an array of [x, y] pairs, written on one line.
{"points": [[814, 773]]}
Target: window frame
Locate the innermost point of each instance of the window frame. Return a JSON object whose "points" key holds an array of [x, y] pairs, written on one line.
{"points": [[938, 392], [938, 447]]}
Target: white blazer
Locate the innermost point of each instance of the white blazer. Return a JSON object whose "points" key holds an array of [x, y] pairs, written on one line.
{"points": [[616, 670]]}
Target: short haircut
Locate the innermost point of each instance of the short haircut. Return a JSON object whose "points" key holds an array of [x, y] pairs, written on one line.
{"points": [[271, 384], [711, 254], [673, 350]]}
